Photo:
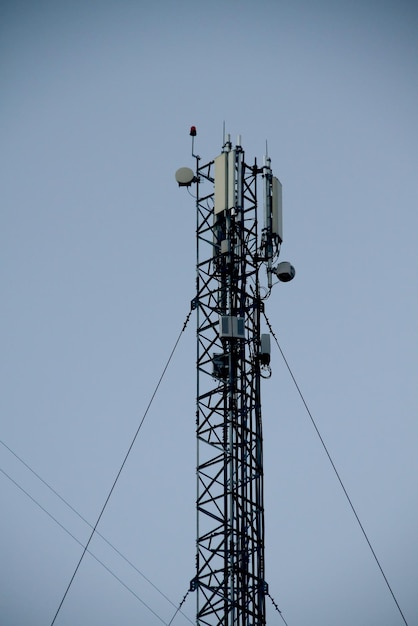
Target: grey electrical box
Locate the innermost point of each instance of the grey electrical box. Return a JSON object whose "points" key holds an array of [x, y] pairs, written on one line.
{"points": [[232, 326], [265, 349], [225, 246], [220, 365]]}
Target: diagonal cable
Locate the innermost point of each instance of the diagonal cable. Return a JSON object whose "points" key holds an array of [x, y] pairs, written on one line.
{"points": [[86, 522], [80, 543], [277, 608], [179, 607], [120, 469], [335, 471]]}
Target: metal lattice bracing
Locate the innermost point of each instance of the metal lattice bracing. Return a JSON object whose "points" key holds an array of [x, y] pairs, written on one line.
{"points": [[229, 579]]}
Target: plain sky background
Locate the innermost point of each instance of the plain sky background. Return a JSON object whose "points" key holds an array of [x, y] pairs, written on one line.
{"points": [[97, 249]]}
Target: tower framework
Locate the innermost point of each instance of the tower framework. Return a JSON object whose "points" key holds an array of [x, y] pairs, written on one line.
{"points": [[232, 357]]}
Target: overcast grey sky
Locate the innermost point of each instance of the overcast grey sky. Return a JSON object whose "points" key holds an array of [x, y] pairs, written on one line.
{"points": [[97, 268]]}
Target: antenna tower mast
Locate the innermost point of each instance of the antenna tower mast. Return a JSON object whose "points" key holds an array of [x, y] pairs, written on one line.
{"points": [[232, 357]]}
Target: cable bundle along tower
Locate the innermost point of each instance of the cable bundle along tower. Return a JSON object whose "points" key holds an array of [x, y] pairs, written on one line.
{"points": [[232, 357]]}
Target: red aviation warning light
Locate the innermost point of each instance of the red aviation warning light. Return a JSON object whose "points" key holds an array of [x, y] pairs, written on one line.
{"points": [[193, 131]]}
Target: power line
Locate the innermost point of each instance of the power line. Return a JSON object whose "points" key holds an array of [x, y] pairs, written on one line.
{"points": [[335, 470], [81, 544], [120, 469], [86, 522]]}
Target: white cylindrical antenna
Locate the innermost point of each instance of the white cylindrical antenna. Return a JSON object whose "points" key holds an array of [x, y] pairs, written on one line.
{"points": [[239, 140]]}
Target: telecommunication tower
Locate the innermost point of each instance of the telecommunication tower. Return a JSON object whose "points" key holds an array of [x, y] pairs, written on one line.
{"points": [[232, 357]]}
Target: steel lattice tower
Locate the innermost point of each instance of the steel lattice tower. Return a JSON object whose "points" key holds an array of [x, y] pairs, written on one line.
{"points": [[232, 357]]}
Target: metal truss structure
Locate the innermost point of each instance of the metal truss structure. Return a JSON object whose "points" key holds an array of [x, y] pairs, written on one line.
{"points": [[231, 359]]}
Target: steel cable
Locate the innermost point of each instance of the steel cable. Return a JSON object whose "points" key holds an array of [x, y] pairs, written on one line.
{"points": [[81, 544], [118, 552], [120, 469], [335, 470]]}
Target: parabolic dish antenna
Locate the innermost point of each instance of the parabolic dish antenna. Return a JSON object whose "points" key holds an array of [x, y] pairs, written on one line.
{"points": [[184, 176]]}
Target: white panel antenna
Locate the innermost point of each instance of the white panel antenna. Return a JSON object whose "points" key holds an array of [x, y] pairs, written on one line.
{"points": [[276, 209], [224, 181], [221, 189], [231, 179]]}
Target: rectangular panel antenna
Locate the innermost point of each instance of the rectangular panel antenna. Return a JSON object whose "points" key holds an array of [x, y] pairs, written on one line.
{"points": [[231, 179], [277, 212], [221, 190], [225, 190]]}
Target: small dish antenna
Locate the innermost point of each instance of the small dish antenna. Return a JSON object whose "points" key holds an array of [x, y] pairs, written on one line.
{"points": [[284, 271], [184, 176]]}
